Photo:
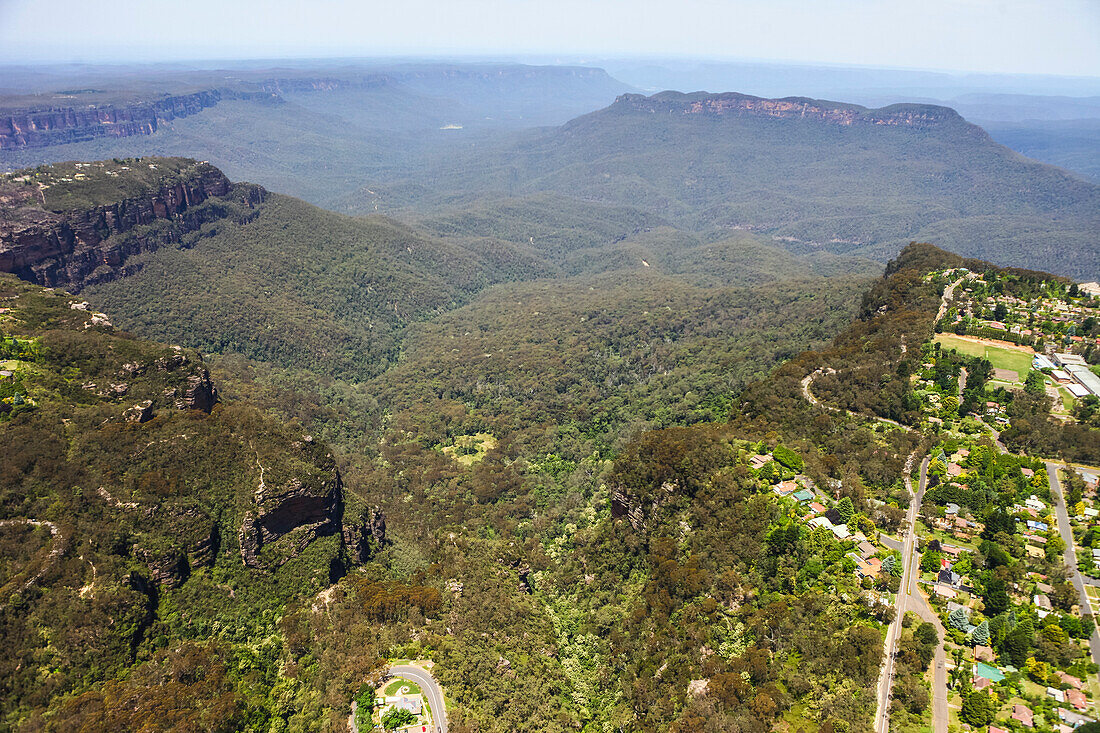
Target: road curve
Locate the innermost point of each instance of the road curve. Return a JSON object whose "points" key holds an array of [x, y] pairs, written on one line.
{"points": [[432, 691]]}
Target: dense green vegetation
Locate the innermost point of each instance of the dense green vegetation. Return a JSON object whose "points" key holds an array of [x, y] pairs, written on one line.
{"points": [[142, 551], [73, 186], [865, 189], [559, 424], [363, 146]]}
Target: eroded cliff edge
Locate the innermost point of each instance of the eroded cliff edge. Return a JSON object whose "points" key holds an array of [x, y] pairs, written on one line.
{"points": [[75, 224]]}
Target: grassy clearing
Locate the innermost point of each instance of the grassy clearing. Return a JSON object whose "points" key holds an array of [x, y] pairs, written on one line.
{"points": [[397, 683], [1001, 358], [469, 449]]}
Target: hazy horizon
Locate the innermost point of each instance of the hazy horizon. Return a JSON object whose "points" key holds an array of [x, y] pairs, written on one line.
{"points": [[1000, 37]]}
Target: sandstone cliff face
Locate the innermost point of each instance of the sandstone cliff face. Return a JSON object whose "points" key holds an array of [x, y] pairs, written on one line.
{"points": [[37, 128], [300, 509], [742, 105], [78, 248], [363, 539], [625, 505]]}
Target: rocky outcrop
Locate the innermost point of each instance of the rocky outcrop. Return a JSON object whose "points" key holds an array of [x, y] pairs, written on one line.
{"points": [[187, 380], [625, 505], [301, 510], [37, 128], [77, 248], [139, 413], [167, 569], [732, 104], [364, 539]]}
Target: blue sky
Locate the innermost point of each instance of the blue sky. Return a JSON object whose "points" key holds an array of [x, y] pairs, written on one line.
{"points": [[1005, 36]]}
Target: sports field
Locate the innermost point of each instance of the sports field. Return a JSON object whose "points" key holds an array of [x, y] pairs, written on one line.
{"points": [[1018, 360]]}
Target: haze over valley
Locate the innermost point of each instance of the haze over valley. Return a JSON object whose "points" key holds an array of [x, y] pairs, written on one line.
{"points": [[360, 370]]}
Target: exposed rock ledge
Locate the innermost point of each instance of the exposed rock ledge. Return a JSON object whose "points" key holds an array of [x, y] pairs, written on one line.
{"points": [[302, 509], [76, 248], [732, 104]]}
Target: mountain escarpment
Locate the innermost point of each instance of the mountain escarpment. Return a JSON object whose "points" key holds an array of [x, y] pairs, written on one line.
{"points": [[743, 105], [75, 224]]}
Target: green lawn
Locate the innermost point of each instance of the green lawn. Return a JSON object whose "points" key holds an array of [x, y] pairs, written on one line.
{"points": [[1017, 361], [397, 683]]}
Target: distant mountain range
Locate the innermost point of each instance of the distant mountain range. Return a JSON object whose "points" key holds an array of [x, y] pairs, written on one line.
{"points": [[814, 176], [434, 142]]}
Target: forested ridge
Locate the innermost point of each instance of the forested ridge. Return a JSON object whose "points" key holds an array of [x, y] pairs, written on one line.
{"points": [[562, 468], [810, 184]]}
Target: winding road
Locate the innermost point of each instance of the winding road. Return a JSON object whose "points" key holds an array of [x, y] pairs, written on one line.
{"points": [[433, 693], [809, 396]]}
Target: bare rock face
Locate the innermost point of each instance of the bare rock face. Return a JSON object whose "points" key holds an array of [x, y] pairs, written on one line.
{"points": [[76, 248], [167, 568], [200, 393], [139, 413], [365, 538], [627, 506], [300, 510], [36, 128], [732, 104]]}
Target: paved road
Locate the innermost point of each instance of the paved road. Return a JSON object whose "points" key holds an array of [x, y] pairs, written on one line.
{"points": [[907, 600], [432, 691], [1066, 530], [940, 714], [948, 293], [910, 599]]}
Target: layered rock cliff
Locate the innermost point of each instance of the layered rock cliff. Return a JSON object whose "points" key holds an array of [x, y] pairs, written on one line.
{"points": [[732, 104], [299, 508], [38, 128], [79, 240]]}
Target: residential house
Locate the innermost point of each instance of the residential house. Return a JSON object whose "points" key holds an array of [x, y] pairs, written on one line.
{"points": [[866, 549], [983, 653], [1056, 694], [804, 495], [949, 577], [1068, 679], [412, 703], [1077, 699], [841, 531], [1073, 718], [944, 591], [1023, 714], [817, 507]]}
